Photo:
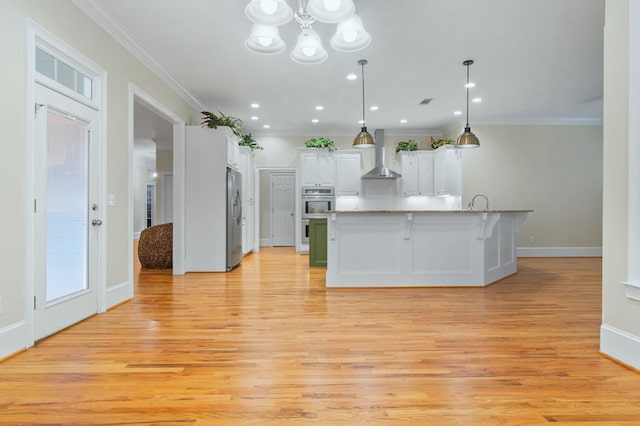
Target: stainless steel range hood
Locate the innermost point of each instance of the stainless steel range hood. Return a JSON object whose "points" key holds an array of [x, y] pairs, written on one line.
{"points": [[380, 171]]}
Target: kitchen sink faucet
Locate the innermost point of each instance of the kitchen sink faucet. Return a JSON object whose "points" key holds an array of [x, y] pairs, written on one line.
{"points": [[470, 205]]}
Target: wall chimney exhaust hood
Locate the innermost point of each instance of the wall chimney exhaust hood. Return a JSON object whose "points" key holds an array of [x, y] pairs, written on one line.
{"points": [[380, 171]]}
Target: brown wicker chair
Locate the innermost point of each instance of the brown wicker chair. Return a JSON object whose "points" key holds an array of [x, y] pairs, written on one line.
{"points": [[155, 248]]}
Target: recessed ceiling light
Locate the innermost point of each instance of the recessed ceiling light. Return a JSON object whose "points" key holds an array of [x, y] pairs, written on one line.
{"points": [[266, 126], [457, 112], [476, 100], [374, 108], [470, 85], [254, 105], [351, 76], [255, 117], [403, 121], [315, 120], [319, 108]]}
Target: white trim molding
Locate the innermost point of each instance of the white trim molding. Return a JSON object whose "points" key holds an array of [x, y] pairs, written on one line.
{"points": [[559, 251], [633, 225], [119, 293], [620, 345], [102, 18], [14, 338], [632, 290]]}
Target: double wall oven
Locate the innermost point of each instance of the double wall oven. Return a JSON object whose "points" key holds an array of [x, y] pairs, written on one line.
{"points": [[316, 200]]}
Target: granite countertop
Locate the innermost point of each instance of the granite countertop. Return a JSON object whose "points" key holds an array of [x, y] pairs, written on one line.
{"points": [[425, 211]]}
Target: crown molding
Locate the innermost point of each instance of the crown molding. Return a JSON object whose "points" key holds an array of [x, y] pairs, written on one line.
{"points": [[92, 9], [540, 122]]}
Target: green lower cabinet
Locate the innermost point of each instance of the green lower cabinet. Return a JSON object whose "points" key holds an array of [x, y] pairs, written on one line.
{"points": [[317, 242]]}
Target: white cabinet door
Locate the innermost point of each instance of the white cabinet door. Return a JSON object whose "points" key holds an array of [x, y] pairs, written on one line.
{"points": [[317, 168], [425, 174], [326, 169], [308, 163], [410, 174], [417, 173], [447, 171], [233, 151], [348, 179], [248, 199]]}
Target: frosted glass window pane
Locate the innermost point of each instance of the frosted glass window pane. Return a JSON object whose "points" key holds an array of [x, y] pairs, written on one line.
{"points": [[83, 85], [67, 206], [66, 76], [45, 64]]}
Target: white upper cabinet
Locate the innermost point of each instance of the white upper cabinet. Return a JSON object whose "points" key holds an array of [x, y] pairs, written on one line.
{"points": [[417, 173], [448, 171], [348, 174], [317, 168], [233, 151], [432, 173]]}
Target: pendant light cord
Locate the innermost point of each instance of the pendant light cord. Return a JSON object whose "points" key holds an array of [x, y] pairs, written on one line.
{"points": [[363, 62], [467, 94]]}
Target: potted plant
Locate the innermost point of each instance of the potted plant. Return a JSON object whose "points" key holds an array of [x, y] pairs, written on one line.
{"points": [[320, 143], [213, 121], [435, 144], [409, 145], [249, 141]]}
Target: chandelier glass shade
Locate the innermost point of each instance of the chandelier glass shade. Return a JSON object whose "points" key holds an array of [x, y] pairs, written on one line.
{"points": [[309, 48], [269, 12], [267, 15], [265, 39], [331, 11]]}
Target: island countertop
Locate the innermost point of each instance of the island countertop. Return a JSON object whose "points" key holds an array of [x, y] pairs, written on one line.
{"points": [[424, 211]]}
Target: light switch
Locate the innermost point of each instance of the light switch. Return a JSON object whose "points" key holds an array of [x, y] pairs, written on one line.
{"points": [[111, 200]]}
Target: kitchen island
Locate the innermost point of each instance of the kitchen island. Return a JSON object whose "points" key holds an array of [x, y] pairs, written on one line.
{"points": [[421, 248]]}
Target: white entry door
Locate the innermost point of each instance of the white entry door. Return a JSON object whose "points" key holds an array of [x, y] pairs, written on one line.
{"points": [[67, 216], [283, 209]]}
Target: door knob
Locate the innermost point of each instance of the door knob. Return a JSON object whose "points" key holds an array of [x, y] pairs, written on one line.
{"points": [[96, 222]]}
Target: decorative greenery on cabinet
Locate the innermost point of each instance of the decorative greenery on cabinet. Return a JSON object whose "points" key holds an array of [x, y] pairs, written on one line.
{"points": [[248, 141], [320, 143], [435, 144], [213, 121], [409, 145]]}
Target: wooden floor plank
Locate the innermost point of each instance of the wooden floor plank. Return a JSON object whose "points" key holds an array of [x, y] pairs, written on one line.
{"points": [[269, 344]]}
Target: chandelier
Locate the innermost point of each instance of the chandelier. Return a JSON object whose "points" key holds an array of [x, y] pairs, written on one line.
{"points": [[267, 15]]}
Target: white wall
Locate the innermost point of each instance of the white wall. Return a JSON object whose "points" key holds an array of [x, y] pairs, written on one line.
{"points": [[64, 20], [554, 170], [620, 332]]}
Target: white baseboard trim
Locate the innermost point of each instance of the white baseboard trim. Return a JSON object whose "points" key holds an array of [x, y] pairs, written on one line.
{"points": [[119, 293], [559, 251], [13, 339], [265, 242], [620, 345]]}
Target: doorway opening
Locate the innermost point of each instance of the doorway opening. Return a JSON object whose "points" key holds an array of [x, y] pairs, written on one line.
{"points": [[157, 141], [278, 211]]}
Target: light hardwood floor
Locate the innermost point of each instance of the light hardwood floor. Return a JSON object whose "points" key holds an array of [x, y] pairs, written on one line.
{"points": [[267, 343]]}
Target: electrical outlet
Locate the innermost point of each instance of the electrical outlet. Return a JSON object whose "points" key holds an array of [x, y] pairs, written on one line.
{"points": [[532, 239]]}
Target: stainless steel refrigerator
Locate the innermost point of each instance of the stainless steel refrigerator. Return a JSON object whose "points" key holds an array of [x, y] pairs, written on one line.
{"points": [[234, 218]]}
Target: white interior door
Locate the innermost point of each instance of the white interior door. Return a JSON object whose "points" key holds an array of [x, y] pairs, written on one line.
{"points": [[283, 209], [67, 216]]}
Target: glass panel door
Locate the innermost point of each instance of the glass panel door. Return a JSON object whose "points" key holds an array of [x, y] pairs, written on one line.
{"points": [[67, 202]]}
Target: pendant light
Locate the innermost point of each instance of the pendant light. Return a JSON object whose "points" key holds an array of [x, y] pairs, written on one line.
{"points": [[467, 139], [364, 138]]}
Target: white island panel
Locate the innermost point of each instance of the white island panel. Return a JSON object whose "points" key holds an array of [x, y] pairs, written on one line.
{"points": [[421, 248]]}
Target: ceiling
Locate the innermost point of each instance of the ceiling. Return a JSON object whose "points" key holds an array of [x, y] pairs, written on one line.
{"points": [[536, 62]]}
